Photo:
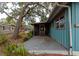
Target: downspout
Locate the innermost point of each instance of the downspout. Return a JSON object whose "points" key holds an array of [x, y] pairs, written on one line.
{"points": [[70, 26]]}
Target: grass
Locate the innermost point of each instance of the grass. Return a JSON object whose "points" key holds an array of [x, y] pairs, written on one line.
{"points": [[15, 50], [3, 38], [14, 47]]}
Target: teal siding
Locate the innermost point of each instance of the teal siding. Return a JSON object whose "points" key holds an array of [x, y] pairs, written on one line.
{"points": [[61, 35], [75, 31]]}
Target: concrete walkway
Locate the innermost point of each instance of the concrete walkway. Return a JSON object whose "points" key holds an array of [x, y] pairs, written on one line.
{"points": [[44, 44]]}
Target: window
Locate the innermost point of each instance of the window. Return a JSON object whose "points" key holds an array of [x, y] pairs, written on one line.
{"points": [[3, 27], [60, 23]]}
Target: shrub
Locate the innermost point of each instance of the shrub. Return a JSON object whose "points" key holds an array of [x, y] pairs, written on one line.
{"points": [[15, 50], [25, 36], [3, 38], [29, 34], [22, 34]]}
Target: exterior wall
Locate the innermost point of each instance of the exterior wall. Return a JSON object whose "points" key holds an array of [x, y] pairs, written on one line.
{"points": [[6, 28], [75, 30], [36, 30], [61, 35]]}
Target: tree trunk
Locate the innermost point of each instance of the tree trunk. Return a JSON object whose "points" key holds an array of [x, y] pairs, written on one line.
{"points": [[19, 21], [18, 25]]}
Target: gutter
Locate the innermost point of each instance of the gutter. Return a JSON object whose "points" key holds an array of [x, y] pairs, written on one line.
{"points": [[70, 26]]}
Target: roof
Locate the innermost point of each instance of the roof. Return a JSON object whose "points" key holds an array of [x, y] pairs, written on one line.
{"points": [[3, 24], [39, 23], [56, 10]]}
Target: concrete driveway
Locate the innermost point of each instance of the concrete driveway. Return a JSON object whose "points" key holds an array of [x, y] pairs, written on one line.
{"points": [[44, 44]]}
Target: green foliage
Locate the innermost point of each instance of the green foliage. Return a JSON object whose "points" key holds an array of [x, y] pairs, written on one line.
{"points": [[21, 4], [22, 35], [15, 50], [30, 34], [3, 38], [9, 20], [25, 36]]}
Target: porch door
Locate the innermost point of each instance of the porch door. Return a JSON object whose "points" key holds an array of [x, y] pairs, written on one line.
{"points": [[41, 29]]}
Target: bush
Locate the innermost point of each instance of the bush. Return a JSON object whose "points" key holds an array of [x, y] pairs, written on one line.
{"points": [[25, 36], [22, 34], [3, 38], [15, 50], [30, 34]]}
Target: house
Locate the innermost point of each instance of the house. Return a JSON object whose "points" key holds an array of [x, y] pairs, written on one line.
{"points": [[4, 28], [63, 26]]}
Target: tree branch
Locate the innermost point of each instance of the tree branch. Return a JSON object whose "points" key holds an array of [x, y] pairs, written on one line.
{"points": [[28, 11], [43, 7], [9, 15]]}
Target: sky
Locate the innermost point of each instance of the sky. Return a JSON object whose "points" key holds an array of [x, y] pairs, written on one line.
{"points": [[10, 5], [2, 16]]}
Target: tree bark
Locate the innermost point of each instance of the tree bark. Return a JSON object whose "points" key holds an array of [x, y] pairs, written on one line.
{"points": [[18, 23], [16, 31]]}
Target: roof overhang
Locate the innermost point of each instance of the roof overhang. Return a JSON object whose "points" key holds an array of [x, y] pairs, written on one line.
{"points": [[39, 23], [56, 10]]}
